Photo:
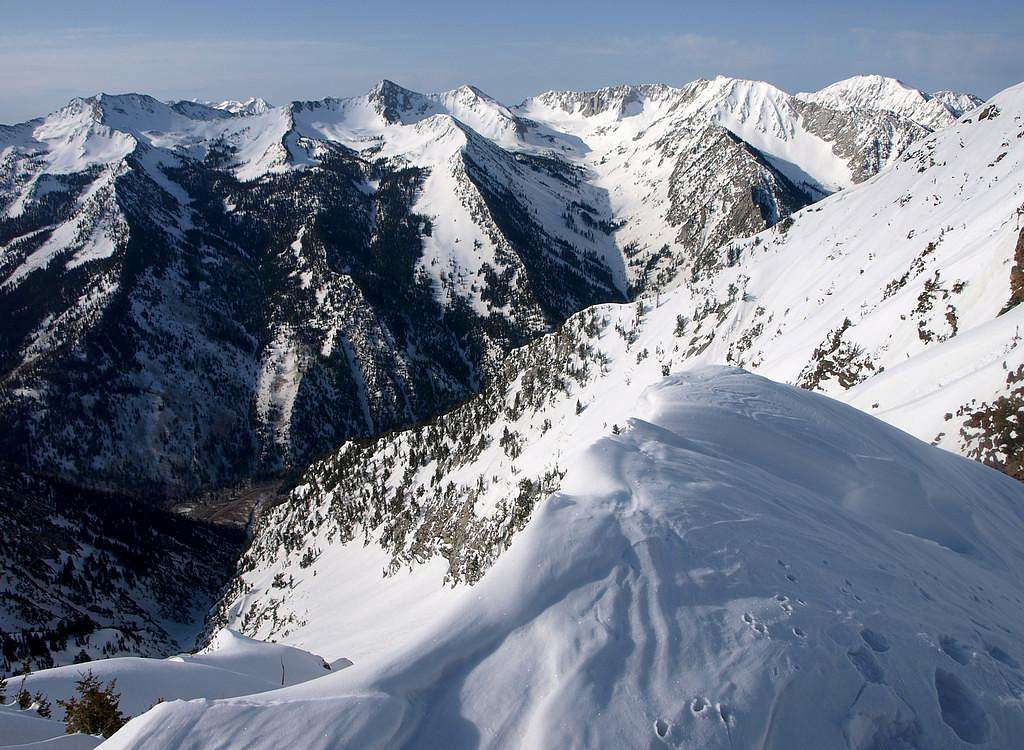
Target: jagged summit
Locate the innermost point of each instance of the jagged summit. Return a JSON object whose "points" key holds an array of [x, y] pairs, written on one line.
{"points": [[615, 101], [395, 103], [957, 102]]}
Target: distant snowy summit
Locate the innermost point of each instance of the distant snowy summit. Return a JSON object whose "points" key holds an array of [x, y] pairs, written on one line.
{"points": [[252, 106], [875, 92]]}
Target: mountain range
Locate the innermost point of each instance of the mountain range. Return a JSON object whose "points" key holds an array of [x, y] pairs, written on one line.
{"points": [[466, 361], [200, 294]]}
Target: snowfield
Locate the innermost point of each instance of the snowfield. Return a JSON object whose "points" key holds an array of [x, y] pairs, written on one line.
{"points": [[746, 564]]}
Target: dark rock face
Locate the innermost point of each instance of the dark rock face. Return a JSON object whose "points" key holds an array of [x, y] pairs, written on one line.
{"points": [[1017, 275]]}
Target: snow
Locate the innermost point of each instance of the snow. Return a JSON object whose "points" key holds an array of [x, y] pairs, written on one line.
{"points": [[884, 93], [742, 551], [627, 143], [231, 665], [26, 729], [254, 105], [278, 383], [730, 551]]}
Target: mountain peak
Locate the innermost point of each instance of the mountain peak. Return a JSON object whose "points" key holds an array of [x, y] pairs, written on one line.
{"points": [[393, 102], [254, 105], [878, 92]]}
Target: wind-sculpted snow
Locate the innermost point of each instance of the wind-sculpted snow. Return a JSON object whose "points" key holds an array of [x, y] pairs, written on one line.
{"points": [[735, 563]]}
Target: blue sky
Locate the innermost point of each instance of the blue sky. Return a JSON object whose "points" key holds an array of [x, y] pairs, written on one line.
{"points": [[51, 51]]}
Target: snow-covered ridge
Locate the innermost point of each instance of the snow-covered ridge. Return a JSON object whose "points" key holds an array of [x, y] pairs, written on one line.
{"points": [[733, 563], [254, 105], [637, 146]]}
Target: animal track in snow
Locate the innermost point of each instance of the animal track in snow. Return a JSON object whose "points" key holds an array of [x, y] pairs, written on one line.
{"points": [[867, 665], [661, 727], [757, 627], [1001, 656], [955, 650]]}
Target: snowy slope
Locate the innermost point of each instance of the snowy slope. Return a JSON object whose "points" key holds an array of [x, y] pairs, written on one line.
{"points": [[21, 730], [744, 564], [231, 665]]}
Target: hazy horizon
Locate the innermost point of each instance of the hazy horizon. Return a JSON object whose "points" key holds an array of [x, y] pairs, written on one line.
{"points": [[236, 50]]}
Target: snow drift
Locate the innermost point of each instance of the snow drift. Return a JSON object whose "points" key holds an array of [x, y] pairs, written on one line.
{"points": [[745, 564]]}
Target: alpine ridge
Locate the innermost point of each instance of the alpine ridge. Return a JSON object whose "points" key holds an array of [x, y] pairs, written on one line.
{"points": [[230, 270], [730, 554]]}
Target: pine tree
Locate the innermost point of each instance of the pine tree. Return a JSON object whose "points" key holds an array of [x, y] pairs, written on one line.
{"points": [[95, 709], [43, 707], [23, 697]]}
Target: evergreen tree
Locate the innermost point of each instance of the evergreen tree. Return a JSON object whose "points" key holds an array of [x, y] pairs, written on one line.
{"points": [[43, 707], [23, 697], [95, 709]]}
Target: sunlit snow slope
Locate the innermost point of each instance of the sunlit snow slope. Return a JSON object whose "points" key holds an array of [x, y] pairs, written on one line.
{"points": [[745, 565]]}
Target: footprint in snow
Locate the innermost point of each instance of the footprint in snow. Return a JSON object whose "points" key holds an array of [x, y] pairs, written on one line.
{"points": [[661, 727], [756, 626], [784, 604], [1001, 656], [878, 642]]}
